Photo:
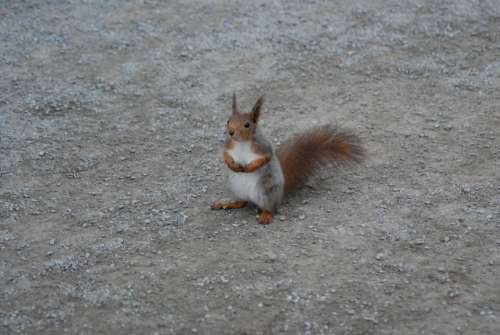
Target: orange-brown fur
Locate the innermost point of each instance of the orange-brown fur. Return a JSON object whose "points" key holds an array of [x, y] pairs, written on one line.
{"points": [[229, 205], [236, 124], [256, 164], [265, 217], [304, 154]]}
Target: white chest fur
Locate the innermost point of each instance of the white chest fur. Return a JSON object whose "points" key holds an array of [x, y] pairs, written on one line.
{"points": [[242, 153], [244, 185]]}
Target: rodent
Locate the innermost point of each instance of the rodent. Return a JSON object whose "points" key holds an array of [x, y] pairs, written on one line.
{"points": [[261, 175]]}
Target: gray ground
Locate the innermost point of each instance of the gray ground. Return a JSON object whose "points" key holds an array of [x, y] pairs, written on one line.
{"points": [[111, 121]]}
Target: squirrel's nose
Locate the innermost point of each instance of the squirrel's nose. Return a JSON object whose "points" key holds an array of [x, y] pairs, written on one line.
{"points": [[231, 132]]}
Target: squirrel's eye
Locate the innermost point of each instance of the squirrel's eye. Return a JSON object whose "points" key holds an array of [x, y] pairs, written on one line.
{"points": [[247, 124], [227, 122]]}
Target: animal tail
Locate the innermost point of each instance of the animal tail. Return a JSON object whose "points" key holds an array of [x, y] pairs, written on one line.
{"points": [[304, 154]]}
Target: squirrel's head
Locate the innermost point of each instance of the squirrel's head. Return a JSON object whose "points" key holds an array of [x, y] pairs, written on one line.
{"points": [[242, 126]]}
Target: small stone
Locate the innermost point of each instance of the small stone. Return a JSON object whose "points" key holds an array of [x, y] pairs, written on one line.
{"points": [[261, 305], [441, 269], [379, 256], [419, 241], [41, 153], [453, 293], [302, 217], [52, 242], [282, 218]]}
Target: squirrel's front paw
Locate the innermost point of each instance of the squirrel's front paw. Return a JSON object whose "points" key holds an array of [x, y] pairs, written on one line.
{"points": [[237, 168]]}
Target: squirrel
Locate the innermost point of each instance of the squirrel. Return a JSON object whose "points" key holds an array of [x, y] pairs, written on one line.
{"points": [[261, 175]]}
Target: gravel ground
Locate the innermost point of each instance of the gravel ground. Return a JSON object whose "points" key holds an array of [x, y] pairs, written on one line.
{"points": [[111, 127]]}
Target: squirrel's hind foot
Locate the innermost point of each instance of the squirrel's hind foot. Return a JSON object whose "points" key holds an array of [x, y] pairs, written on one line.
{"points": [[228, 205], [265, 217]]}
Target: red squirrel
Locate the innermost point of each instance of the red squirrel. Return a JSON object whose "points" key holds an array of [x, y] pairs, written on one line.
{"points": [[261, 175]]}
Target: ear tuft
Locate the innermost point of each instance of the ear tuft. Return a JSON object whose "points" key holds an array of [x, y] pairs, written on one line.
{"points": [[236, 110], [255, 113]]}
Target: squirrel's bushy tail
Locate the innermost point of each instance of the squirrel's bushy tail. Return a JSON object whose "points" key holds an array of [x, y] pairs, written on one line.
{"points": [[305, 153]]}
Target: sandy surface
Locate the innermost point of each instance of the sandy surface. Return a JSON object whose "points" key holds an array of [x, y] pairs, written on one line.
{"points": [[111, 125]]}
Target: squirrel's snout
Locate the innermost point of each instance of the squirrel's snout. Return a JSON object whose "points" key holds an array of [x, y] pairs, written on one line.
{"points": [[231, 132]]}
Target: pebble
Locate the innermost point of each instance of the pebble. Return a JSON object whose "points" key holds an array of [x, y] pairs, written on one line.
{"points": [[282, 218], [52, 242], [302, 217], [453, 293], [379, 256], [419, 241]]}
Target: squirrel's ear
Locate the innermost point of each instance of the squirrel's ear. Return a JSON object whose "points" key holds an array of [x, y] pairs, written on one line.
{"points": [[236, 110], [254, 114]]}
